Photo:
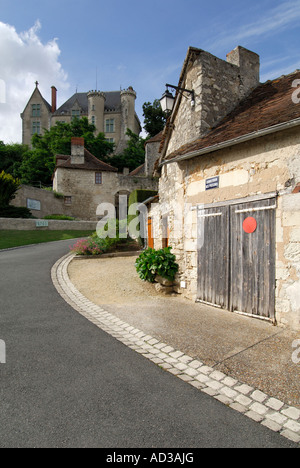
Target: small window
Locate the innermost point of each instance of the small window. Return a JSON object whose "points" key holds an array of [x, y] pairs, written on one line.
{"points": [[75, 114], [98, 178], [36, 110], [36, 128], [93, 120], [110, 140], [68, 200], [110, 125]]}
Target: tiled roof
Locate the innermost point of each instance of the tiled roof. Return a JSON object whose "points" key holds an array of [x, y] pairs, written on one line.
{"points": [[139, 171], [112, 103], [268, 105], [156, 139], [91, 163]]}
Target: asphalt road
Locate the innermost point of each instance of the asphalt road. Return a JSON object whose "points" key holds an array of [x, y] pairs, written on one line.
{"points": [[67, 384]]}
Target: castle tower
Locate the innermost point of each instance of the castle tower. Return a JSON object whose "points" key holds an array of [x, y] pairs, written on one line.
{"points": [[128, 97], [96, 104]]}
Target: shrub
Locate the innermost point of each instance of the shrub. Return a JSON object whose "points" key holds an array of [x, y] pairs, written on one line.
{"points": [[8, 188], [152, 263], [59, 217], [98, 243], [86, 247], [15, 212]]}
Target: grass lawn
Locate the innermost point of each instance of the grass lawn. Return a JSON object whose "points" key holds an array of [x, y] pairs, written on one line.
{"points": [[10, 239]]}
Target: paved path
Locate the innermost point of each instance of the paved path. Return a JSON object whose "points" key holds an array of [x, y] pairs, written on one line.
{"points": [[67, 383]]}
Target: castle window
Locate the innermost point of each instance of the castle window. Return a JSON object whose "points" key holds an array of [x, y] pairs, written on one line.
{"points": [[36, 110], [110, 140], [98, 178], [36, 128], [93, 120], [75, 114], [110, 125]]}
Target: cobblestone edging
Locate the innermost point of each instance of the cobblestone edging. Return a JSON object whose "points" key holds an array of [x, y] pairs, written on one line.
{"points": [[258, 406]]}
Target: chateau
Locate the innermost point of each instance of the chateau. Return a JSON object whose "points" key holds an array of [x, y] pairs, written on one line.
{"points": [[111, 112]]}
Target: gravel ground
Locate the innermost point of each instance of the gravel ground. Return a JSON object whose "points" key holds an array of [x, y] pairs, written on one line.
{"points": [[252, 351]]}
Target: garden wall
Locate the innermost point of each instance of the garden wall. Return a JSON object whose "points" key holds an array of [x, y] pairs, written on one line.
{"points": [[11, 224], [40, 202]]}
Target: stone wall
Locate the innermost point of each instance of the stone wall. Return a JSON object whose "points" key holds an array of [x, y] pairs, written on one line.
{"points": [[44, 199], [219, 86], [28, 118], [86, 195], [264, 165], [52, 225]]}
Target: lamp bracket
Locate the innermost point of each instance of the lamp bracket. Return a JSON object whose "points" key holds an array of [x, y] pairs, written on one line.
{"points": [[182, 90]]}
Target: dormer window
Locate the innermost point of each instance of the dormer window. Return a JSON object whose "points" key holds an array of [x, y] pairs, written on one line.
{"points": [[75, 114], [36, 110]]}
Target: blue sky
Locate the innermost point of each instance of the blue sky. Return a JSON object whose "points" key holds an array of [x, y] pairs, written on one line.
{"points": [[133, 43]]}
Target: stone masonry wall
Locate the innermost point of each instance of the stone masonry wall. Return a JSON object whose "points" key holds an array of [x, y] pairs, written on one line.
{"points": [[265, 165], [49, 204], [218, 87], [86, 195]]}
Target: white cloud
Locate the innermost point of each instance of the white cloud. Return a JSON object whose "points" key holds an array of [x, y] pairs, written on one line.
{"points": [[286, 15], [24, 60]]}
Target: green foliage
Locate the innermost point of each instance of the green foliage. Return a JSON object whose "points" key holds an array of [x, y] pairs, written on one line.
{"points": [[8, 187], [154, 118], [16, 238], [133, 155], [152, 263], [11, 157], [105, 240], [59, 217], [139, 196], [38, 164], [15, 212]]}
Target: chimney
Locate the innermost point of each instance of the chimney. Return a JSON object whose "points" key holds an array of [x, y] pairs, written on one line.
{"points": [[249, 65], [54, 99], [77, 150]]}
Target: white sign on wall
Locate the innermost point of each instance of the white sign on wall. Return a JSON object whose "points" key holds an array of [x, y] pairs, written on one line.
{"points": [[33, 204]]}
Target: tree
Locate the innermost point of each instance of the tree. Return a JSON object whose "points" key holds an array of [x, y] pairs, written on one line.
{"points": [[133, 155], [38, 164], [11, 157], [154, 118], [8, 188]]}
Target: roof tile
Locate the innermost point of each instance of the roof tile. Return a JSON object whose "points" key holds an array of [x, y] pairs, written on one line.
{"points": [[268, 105]]}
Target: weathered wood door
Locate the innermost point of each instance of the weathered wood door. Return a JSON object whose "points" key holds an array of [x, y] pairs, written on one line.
{"points": [[236, 257], [253, 258], [213, 256]]}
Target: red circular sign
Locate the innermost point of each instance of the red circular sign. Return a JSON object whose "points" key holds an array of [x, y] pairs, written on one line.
{"points": [[250, 225]]}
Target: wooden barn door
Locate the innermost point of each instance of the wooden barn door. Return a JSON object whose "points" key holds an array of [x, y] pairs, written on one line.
{"points": [[236, 257], [213, 256], [252, 266]]}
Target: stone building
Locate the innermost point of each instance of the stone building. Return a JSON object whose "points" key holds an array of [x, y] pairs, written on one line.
{"points": [[151, 156], [111, 112], [229, 189], [86, 182]]}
